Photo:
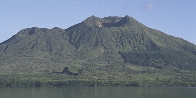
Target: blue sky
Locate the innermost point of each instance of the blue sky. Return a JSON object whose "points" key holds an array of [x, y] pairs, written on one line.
{"points": [[173, 17]]}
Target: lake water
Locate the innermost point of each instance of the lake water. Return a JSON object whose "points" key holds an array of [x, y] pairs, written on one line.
{"points": [[98, 92]]}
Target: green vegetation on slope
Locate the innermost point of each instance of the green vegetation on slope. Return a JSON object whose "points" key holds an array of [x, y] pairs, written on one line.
{"points": [[99, 42], [159, 59], [138, 77]]}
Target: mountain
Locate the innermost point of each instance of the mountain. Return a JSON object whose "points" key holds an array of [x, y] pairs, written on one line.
{"points": [[98, 43]]}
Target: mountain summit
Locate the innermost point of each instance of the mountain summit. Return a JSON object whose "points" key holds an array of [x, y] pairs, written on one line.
{"points": [[97, 42]]}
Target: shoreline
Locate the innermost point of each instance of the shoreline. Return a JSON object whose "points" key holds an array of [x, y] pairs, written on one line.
{"points": [[136, 80]]}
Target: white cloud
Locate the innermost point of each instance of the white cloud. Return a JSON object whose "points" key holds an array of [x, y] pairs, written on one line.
{"points": [[149, 6]]}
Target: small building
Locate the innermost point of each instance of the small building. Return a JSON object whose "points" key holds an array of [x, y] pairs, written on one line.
{"points": [[70, 71]]}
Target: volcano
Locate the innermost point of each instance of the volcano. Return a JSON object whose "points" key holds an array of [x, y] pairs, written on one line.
{"points": [[95, 42]]}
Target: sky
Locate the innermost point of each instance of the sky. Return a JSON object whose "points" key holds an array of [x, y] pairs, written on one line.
{"points": [[173, 17]]}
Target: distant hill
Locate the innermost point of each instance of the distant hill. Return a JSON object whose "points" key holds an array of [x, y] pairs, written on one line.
{"points": [[95, 42]]}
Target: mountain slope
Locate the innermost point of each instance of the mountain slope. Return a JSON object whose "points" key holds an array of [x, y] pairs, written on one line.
{"points": [[95, 41]]}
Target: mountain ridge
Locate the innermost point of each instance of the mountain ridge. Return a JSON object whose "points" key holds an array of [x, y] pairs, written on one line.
{"points": [[95, 41]]}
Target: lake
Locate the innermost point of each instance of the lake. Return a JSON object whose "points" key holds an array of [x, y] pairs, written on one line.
{"points": [[98, 92]]}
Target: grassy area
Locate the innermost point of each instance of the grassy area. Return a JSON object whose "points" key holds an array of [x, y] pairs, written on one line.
{"points": [[139, 78]]}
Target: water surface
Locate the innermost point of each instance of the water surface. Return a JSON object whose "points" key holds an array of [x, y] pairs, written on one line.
{"points": [[98, 92]]}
